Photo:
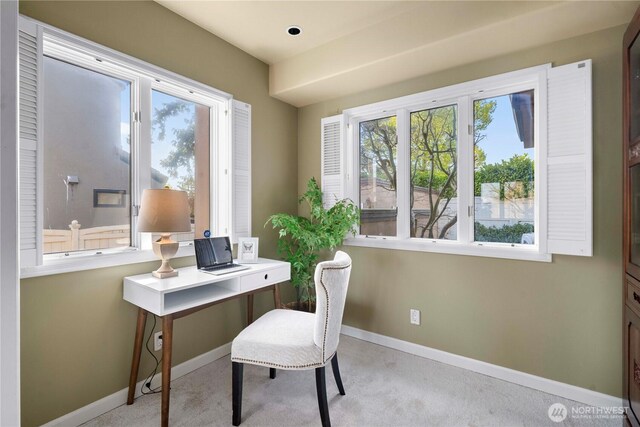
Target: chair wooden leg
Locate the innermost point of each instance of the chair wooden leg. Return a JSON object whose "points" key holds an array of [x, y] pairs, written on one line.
{"points": [[321, 388], [336, 373], [272, 373], [236, 386]]}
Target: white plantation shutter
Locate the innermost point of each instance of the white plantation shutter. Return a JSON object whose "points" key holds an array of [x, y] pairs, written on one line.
{"points": [[30, 52], [241, 167], [569, 160], [332, 165]]}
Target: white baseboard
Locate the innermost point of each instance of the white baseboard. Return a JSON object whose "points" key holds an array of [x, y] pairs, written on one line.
{"points": [[119, 398], [557, 388], [578, 394]]}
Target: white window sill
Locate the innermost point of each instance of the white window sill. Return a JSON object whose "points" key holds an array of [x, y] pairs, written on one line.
{"points": [[518, 252], [85, 261]]}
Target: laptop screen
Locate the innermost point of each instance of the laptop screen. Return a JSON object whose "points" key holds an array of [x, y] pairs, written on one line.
{"points": [[214, 251]]}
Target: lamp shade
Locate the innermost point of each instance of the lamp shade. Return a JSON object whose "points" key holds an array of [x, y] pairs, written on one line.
{"points": [[164, 211]]}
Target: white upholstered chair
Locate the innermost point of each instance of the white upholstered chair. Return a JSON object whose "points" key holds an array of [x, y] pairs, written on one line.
{"points": [[287, 339]]}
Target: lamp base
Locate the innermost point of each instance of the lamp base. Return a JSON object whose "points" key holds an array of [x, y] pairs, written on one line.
{"points": [[165, 249], [165, 274]]}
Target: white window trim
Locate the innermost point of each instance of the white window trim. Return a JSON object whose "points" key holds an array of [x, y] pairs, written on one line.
{"points": [[463, 95], [84, 260], [137, 65], [79, 51], [10, 399], [495, 250]]}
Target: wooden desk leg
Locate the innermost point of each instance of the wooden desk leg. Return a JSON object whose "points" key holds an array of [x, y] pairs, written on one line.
{"points": [[276, 296], [167, 342], [137, 350], [249, 309]]}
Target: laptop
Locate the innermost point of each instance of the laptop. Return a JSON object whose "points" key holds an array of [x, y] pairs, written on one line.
{"points": [[214, 256]]}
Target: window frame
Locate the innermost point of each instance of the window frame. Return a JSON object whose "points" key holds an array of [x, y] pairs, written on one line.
{"points": [[462, 95], [215, 142], [461, 157], [144, 78], [82, 59], [540, 164], [355, 125]]}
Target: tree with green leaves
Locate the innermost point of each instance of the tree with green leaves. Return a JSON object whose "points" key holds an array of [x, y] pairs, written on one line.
{"points": [[434, 165], [519, 168], [379, 145], [183, 140]]}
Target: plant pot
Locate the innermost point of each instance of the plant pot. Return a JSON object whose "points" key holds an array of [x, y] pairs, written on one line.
{"points": [[301, 306]]}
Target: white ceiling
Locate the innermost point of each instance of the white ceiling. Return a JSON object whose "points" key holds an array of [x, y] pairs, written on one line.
{"points": [[350, 46]]}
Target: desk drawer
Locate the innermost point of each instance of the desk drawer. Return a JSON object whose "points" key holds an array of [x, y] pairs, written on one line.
{"points": [[264, 278], [633, 296]]}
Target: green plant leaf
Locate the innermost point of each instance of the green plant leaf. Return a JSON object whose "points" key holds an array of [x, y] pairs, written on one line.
{"points": [[301, 239]]}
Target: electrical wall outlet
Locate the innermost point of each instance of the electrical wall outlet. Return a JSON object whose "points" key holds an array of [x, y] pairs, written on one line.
{"points": [[157, 341], [414, 316]]}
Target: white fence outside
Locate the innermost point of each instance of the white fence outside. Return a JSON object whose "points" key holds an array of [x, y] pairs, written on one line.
{"points": [[78, 239]]}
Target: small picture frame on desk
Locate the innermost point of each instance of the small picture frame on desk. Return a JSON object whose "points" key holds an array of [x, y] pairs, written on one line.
{"points": [[248, 250]]}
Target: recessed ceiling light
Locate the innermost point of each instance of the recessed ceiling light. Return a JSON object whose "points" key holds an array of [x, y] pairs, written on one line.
{"points": [[294, 30]]}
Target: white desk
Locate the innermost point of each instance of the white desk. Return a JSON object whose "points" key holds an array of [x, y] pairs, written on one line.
{"points": [[191, 291]]}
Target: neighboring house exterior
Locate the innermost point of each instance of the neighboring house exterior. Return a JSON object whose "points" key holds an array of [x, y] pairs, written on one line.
{"points": [[87, 162], [89, 151]]}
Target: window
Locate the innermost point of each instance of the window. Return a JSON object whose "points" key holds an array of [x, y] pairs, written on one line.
{"points": [[378, 176], [86, 150], [504, 140], [433, 166], [99, 127], [502, 192], [180, 141], [480, 168], [87, 147]]}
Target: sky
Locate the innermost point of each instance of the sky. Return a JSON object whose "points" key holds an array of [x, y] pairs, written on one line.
{"points": [[502, 141]]}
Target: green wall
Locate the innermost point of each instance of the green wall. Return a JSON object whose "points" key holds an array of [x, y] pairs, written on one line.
{"points": [[559, 320], [76, 331]]}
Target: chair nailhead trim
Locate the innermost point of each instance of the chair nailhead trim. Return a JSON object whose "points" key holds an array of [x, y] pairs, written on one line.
{"points": [[277, 365]]}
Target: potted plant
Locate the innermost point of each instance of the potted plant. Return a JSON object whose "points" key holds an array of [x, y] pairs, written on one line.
{"points": [[302, 239]]}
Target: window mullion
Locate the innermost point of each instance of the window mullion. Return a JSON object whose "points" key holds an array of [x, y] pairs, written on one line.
{"points": [[540, 179], [403, 178], [142, 160], [349, 159], [465, 170], [353, 145], [223, 161], [219, 132]]}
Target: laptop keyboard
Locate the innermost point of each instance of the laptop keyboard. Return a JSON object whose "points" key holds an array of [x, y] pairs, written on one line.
{"points": [[224, 269], [220, 267]]}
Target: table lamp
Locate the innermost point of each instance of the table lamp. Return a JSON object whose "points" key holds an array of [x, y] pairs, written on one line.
{"points": [[164, 211]]}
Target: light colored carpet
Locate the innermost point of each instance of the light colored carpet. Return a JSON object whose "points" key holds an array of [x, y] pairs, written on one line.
{"points": [[384, 387]]}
